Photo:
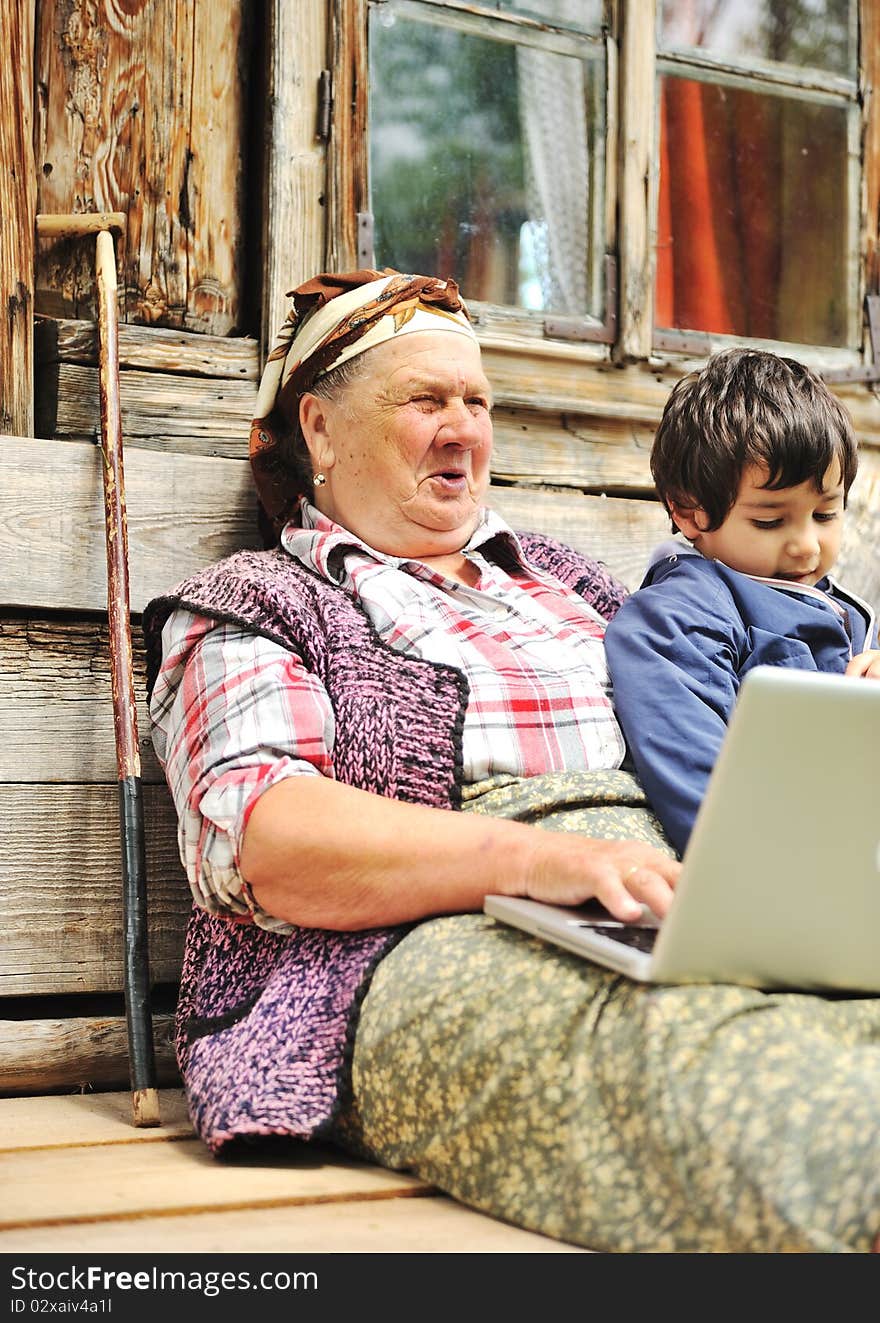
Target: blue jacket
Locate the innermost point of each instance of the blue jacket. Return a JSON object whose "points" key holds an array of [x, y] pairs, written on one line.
{"points": [[679, 648]]}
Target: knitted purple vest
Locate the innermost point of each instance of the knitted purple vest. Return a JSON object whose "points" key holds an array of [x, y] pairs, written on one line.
{"points": [[265, 1022]]}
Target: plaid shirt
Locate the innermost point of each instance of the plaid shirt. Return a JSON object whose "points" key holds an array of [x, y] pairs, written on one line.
{"points": [[234, 712]]}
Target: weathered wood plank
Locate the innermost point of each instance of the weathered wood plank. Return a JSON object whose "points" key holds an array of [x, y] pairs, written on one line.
{"points": [[64, 1142], [620, 533], [432, 1224], [128, 121], [636, 179], [131, 1180], [859, 564], [80, 1119], [184, 511], [551, 382], [347, 192], [61, 890], [194, 415], [623, 532], [295, 166], [180, 410], [213, 208], [556, 377], [51, 530], [18, 208], [56, 710], [869, 56], [39, 1055], [152, 348], [572, 450]]}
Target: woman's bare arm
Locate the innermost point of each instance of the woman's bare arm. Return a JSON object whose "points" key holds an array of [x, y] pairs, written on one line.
{"points": [[323, 854]]}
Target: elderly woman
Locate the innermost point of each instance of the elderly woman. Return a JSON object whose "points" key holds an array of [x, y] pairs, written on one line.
{"points": [[398, 708]]}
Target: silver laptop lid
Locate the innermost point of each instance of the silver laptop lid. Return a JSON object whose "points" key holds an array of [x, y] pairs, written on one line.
{"points": [[781, 877]]}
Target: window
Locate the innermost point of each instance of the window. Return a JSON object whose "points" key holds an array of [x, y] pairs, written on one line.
{"points": [[759, 169], [486, 155], [702, 157]]}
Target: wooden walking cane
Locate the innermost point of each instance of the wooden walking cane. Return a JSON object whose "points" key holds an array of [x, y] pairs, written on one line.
{"points": [[136, 968]]}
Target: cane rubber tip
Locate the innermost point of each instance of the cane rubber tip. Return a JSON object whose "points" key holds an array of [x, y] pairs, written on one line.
{"points": [[145, 1107]]}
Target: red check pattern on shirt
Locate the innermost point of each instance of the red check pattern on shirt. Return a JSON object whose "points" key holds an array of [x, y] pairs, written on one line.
{"points": [[233, 713]]}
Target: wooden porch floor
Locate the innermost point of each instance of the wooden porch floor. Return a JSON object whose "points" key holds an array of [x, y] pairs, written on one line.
{"points": [[78, 1177]]}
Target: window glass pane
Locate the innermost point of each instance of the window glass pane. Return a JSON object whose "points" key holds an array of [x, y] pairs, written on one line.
{"points": [[585, 15], [818, 33], [752, 221], [487, 164]]}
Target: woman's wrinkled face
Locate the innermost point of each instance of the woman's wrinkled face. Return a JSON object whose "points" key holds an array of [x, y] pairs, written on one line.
{"points": [[406, 448]]}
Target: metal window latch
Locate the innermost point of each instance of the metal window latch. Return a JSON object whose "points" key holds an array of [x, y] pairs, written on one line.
{"points": [[365, 238], [325, 106], [870, 371], [588, 328], [694, 343]]}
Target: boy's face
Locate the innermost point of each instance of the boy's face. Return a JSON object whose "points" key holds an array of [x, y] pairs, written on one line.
{"points": [[793, 533]]}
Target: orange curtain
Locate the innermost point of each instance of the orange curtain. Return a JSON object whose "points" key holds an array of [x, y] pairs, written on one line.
{"points": [[694, 276], [664, 281], [718, 241]]}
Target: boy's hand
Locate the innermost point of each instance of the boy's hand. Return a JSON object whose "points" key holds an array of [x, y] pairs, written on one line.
{"points": [[866, 664]]}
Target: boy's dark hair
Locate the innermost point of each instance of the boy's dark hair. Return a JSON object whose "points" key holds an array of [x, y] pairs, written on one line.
{"points": [[748, 406]]}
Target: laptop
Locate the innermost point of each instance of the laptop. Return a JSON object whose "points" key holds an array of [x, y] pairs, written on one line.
{"points": [[780, 881]]}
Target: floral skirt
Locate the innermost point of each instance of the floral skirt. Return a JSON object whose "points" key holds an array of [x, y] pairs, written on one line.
{"points": [[568, 1100]]}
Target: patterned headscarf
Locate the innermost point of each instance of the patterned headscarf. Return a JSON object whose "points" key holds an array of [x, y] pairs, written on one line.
{"points": [[333, 318]]}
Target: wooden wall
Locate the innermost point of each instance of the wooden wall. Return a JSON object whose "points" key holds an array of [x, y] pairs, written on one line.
{"points": [[197, 121], [18, 192], [570, 460], [142, 109], [128, 120]]}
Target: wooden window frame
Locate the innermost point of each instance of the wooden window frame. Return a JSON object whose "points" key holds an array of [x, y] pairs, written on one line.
{"points": [[813, 87], [632, 69], [348, 191]]}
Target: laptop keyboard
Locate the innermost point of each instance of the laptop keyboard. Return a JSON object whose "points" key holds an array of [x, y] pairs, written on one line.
{"points": [[642, 939]]}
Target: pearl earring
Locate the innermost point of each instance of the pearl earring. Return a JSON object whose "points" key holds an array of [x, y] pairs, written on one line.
{"points": [[319, 480]]}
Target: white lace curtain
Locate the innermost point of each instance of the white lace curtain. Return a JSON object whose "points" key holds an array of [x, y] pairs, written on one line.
{"points": [[558, 116]]}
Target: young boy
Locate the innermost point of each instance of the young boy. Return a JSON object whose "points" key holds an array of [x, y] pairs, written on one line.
{"points": [[753, 459]]}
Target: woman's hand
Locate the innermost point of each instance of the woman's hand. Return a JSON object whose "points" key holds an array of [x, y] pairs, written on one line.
{"points": [[866, 664], [326, 855], [623, 875]]}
